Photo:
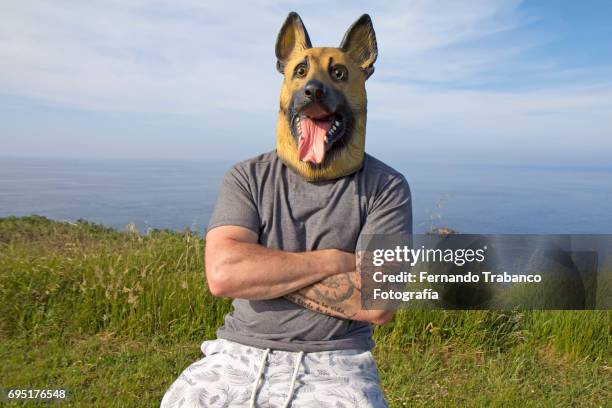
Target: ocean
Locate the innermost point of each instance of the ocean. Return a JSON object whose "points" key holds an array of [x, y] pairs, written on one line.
{"points": [[470, 198]]}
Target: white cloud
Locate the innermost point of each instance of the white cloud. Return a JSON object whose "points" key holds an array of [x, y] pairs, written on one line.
{"points": [[209, 58], [189, 57]]}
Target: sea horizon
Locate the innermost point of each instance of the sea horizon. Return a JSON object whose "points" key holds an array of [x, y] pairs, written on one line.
{"points": [[178, 194]]}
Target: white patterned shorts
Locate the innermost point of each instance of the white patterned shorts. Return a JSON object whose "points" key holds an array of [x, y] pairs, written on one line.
{"points": [[234, 375]]}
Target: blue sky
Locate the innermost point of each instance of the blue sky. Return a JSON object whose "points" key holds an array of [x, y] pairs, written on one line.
{"points": [[466, 81]]}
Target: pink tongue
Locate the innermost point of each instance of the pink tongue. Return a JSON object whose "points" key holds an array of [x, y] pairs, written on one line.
{"points": [[311, 146]]}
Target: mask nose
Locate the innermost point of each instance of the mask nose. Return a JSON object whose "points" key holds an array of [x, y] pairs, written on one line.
{"points": [[314, 90]]}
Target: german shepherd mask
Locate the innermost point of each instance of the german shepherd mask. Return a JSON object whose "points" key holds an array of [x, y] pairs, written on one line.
{"points": [[322, 118]]}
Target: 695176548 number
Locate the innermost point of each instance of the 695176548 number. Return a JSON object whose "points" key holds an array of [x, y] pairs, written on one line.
{"points": [[40, 394]]}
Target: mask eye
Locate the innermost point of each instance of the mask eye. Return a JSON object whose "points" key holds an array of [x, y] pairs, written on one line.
{"points": [[301, 70], [339, 73]]}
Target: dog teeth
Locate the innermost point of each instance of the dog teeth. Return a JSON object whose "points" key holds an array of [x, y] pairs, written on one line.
{"points": [[337, 123], [325, 139]]}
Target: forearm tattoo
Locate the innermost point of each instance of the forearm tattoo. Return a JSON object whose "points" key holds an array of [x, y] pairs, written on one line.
{"points": [[337, 295]]}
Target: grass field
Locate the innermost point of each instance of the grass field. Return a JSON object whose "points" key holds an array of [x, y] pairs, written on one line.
{"points": [[114, 317]]}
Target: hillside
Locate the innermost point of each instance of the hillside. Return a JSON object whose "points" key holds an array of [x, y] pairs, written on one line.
{"points": [[113, 317]]}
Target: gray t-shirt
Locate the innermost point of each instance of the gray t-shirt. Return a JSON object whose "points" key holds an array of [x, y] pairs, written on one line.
{"points": [[291, 214]]}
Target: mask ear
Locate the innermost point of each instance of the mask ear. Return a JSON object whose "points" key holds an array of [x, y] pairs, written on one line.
{"points": [[292, 37], [359, 43]]}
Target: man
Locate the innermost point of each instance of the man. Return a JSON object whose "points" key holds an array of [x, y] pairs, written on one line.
{"points": [[282, 243]]}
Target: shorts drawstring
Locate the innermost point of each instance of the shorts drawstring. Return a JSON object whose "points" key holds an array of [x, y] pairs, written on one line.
{"points": [[294, 378], [260, 371], [262, 364]]}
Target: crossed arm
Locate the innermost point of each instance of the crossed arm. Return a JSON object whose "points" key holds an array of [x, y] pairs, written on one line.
{"points": [[325, 281]]}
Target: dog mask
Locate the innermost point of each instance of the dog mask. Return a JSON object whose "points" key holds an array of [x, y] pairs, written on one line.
{"points": [[322, 118]]}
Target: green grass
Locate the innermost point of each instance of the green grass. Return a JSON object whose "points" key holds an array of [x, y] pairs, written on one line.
{"points": [[114, 317]]}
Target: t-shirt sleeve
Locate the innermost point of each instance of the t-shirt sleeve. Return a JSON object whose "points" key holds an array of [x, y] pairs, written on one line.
{"points": [[236, 204], [391, 210]]}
